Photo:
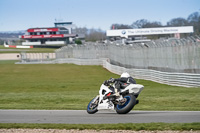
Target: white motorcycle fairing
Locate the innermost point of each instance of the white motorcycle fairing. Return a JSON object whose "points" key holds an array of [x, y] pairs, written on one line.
{"points": [[104, 104], [133, 88], [108, 105]]}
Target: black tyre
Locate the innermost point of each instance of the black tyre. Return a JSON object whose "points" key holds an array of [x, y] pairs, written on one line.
{"points": [[92, 106], [127, 106]]}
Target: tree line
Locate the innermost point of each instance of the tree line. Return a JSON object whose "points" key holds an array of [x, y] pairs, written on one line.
{"points": [[192, 20]]}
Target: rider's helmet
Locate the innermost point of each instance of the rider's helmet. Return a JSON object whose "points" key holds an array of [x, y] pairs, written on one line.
{"points": [[125, 75]]}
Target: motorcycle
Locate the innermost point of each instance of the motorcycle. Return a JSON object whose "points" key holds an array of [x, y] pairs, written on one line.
{"points": [[122, 102]]}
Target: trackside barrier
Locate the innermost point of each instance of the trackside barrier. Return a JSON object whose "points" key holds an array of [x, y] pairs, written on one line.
{"points": [[176, 79], [26, 58], [66, 60]]}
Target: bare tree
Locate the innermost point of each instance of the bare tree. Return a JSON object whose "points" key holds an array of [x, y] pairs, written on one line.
{"points": [[177, 22], [120, 26], [139, 23], [194, 20], [95, 35]]}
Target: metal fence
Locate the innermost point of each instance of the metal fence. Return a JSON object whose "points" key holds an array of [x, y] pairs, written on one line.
{"points": [[169, 55], [86, 51]]}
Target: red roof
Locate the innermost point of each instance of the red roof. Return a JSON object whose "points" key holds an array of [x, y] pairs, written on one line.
{"points": [[47, 36], [42, 29]]}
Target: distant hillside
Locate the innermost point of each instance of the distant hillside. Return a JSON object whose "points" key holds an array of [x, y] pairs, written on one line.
{"points": [[10, 35]]}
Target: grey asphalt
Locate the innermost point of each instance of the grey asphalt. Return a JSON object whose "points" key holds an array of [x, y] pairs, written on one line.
{"points": [[82, 117]]}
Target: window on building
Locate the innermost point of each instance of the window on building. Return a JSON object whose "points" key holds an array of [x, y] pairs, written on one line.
{"points": [[64, 32]]}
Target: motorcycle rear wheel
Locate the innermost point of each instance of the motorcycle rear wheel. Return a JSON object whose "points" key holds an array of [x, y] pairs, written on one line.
{"points": [[127, 106], [92, 108]]}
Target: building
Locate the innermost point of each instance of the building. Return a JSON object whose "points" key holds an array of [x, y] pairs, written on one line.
{"points": [[72, 29], [67, 25], [48, 36]]}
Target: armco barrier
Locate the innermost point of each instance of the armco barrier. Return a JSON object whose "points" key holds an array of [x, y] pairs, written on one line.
{"points": [[176, 79]]}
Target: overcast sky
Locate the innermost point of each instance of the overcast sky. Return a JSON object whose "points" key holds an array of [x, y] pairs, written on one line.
{"points": [[23, 14]]}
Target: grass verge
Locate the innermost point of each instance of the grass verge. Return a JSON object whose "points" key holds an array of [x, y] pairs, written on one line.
{"points": [[71, 87], [127, 126]]}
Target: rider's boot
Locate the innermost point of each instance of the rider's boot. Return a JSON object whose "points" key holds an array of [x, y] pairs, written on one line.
{"points": [[116, 93]]}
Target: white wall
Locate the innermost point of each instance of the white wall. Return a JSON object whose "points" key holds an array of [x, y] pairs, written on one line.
{"points": [[31, 43], [54, 42]]}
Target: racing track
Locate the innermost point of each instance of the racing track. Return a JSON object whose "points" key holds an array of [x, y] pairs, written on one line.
{"points": [[81, 116]]}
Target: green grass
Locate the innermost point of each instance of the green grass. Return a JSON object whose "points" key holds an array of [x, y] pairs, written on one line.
{"points": [[126, 126], [7, 62], [54, 86], [68, 86]]}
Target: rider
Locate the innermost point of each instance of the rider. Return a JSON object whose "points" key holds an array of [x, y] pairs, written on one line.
{"points": [[122, 82]]}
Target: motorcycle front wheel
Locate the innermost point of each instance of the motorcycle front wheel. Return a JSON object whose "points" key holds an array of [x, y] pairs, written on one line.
{"points": [[127, 106], [92, 106]]}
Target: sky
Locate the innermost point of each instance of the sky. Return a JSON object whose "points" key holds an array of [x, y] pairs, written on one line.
{"points": [[23, 14]]}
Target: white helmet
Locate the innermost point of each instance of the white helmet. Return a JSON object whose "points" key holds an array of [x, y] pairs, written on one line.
{"points": [[125, 75]]}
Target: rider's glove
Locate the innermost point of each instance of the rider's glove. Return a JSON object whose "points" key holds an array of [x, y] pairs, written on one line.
{"points": [[105, 82], [111, 80]]}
